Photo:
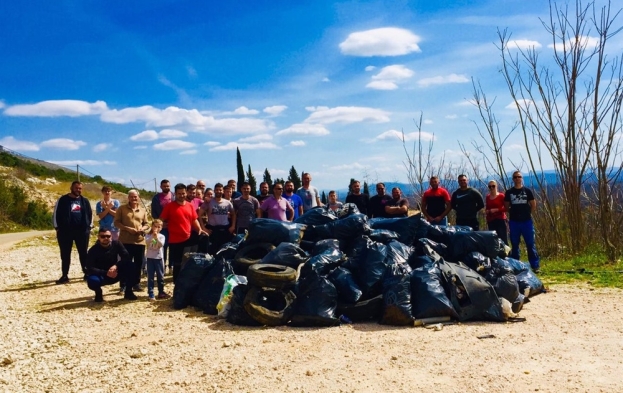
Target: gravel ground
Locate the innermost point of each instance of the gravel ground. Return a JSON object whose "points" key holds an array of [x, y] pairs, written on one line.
{"points": [[58, 340]]}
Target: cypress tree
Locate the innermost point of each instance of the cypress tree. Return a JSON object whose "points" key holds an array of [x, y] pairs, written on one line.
{"points": [[252, 181], [293, 176], [267, 178], [240, 169]]}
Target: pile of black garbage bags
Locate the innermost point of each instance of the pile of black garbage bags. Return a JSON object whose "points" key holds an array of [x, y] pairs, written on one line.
{"points": [[328, 268]]}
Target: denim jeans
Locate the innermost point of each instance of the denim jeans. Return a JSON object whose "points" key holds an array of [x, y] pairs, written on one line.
{"points": [[157, 266], [525, 229], [125, 272]]}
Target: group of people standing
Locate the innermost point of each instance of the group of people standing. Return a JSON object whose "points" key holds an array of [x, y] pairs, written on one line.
{"points": [[200, 218], [518, 201]]}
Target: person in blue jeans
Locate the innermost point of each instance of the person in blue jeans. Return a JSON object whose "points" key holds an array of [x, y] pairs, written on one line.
{"points": [[108, 262], [520, 204], [155, 262]]}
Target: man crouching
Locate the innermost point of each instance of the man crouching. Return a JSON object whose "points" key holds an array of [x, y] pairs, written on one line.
{"points": [[108, 262]]}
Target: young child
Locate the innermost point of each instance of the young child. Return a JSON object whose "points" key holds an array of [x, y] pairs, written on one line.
{"points": [[334, 204], [155, 260]]}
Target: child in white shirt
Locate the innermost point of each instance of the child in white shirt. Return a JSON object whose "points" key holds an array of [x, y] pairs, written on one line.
{"points": [[155, 260]]}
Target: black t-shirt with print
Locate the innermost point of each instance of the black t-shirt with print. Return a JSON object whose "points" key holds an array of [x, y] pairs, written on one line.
{"points": [[519, 199]]}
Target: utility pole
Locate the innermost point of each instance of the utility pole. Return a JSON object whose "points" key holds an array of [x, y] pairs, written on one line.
{"points": [[78, 171]]}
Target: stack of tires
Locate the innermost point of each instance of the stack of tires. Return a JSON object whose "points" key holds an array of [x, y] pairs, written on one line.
{"points": [[270, 299]]}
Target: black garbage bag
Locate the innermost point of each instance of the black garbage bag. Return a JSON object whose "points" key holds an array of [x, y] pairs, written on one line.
{"points": [[368, 265], [417, 261], [399, 254], [504, 283], [443, 233], [208, 294], [347, 289], [237, 315], [265, 230], [361, 311], [325, 245], [424, 246], [516, 265], [347, 210], [317, 216], [463, 243], [397, 296], [193, 270], [409, 229], [346, 228], [316, 302], [529, 284], [478, 262], [228, 250], [383, 235], [286, 254], [471, 295], [428, 296], [324, 263]]}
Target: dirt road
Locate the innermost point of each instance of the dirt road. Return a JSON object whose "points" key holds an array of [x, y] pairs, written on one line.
{"points": [[9, 239], [55, 339]]}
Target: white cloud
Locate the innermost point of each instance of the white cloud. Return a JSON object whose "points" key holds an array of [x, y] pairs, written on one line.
{"points": [[348, 114], [522, 102], [370, 68], [14, 144], [168, 133], [140, 147], [174, 116], [523, 44], [101, 147], [386, 41], [582, 41], [297, 143], [428, 121], [173, 144], [2, 104], [451, 117], [325, 79], [278, 172], [382, 85], [63, 144], [246, 146], [188, 152], [468, 102], [52, 108], [304, 129], [243, 110], [354, 165], [514, 147], [443, 80], [394, 135], [145, 136], [316, 108], [257, 138], [192, 72], [275, 110], [212, 143], [83, 162]]}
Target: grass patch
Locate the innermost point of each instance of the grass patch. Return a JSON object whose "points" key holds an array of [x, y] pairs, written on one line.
{"points": [[590, 267]]}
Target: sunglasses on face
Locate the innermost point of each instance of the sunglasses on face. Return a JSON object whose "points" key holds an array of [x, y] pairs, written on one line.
{"points": [[492, 186], [105, 236], [278, 189], [516, 177]]}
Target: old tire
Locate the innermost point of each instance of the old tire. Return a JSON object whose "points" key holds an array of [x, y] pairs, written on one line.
{"points": [[271, 276], [270, 307], [250, 255]]}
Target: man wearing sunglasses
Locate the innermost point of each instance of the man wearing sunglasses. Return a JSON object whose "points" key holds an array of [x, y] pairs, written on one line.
{"points": [[107, 263], [520, 204]]}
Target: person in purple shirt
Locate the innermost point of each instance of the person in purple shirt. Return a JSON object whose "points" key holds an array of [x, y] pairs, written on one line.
{"points": [[295, 201], [276, 206]]}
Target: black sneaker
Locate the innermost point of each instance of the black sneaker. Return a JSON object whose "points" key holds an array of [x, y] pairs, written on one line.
{"points": [[137, 288], [62, 280], [99, 298], [130, 296], [85, 277], [537, 271]]}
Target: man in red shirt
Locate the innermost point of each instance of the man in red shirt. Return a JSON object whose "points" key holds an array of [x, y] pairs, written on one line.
{"points": [[181, 218], [436, 203]]}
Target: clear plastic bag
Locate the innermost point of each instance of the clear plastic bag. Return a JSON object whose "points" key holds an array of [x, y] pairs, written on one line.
{"points": [[231, 282]]}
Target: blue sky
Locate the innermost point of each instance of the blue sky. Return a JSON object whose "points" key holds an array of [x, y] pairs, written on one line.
{"points": [[168, 89]]}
